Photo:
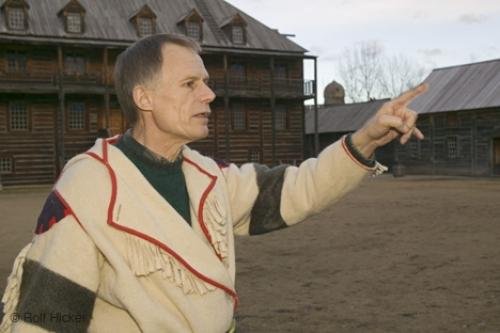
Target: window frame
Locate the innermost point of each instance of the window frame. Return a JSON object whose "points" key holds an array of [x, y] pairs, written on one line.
{"points": [[12, 130], [12, 164], [275, 71], [415, 149], [192, 23], [9, 10], [74, 55], [84, 118], [17, 56], [456, 152], [241, 108], [238, 78], [241, 28], [286, 115], [251, 152], [67, 22], [140, 19]]}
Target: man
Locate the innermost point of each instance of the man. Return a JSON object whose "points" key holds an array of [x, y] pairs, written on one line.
{"points": [[137, 234]]}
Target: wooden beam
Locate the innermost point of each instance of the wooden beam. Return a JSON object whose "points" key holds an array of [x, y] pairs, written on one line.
{"points": [[227, 114], [273, 111], [105, 81], [315, 92], [473, 142], [60, 115]]}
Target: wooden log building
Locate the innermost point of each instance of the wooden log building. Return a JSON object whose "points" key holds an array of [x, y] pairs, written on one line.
{"points": [[335, 119], [460, 118], [56, 84]]}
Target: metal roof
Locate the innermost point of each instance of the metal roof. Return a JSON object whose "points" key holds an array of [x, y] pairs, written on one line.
{"points": [[463, 87], [108, 20], [342, 118]]}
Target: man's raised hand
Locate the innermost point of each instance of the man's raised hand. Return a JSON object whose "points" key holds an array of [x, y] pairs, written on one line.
{"points": [[393, 119]]}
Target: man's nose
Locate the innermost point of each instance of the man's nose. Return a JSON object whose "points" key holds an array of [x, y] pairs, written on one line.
{"points": [[207, 95]]}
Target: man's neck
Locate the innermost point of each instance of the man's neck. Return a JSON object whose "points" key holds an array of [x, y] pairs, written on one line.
{"points": [[162, 146]]}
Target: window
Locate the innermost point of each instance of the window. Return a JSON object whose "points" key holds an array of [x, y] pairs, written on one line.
{"points": [[237, 34], [254, 155], [76, 115], [280, 117], [145, 26], [238, 71], [452, 120], [239, 116], [74, 23], [16, 19], [18, 116], [280, 72], [74, 64], [16, 62], [452, 147], [414, 148], [193, 30], [6, 165]]}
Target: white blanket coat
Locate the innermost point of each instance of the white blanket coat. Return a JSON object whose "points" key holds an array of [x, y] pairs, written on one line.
{"points": [[143, 266]]}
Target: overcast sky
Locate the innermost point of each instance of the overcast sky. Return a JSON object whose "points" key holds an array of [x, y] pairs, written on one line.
{"points": [[434, 33]]}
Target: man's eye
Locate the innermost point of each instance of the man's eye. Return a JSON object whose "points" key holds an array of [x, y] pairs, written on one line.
{"points": [[189, 84]]}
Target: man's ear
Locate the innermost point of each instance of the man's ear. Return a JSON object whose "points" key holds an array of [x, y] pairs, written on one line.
{"points": [[142, 98]]}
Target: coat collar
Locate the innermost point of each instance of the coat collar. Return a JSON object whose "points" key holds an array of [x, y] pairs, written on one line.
{"points": [[137, 209]]}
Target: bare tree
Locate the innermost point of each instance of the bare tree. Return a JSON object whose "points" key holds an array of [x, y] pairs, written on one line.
{"points": [[360, 68], [367, 72], [400, 74]]}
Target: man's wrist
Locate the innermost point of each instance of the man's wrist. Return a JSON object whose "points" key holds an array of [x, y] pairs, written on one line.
{"points": [[363, 144]]}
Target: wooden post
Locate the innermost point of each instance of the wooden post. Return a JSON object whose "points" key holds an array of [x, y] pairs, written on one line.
{"points": [[433, 147], [105, 82], [273, 112], [473, 142], [315, 92], [215, 125], [227, 114], [60, 115]]}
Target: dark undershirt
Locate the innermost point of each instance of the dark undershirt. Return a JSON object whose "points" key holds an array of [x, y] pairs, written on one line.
{"points": [[165, 176]]}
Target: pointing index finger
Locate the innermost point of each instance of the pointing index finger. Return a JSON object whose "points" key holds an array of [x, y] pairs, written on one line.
{"points": [[409, 95]]}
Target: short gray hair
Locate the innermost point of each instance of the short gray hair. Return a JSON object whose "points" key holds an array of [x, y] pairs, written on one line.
{"points": [[139, 64]]}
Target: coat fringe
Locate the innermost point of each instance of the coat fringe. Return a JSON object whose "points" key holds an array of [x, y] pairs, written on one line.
{"points": [[146, 258], [216, 220], [12, 291]]}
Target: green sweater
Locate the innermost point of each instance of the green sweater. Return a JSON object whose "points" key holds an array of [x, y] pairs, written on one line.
{"points": [[166, 177]]}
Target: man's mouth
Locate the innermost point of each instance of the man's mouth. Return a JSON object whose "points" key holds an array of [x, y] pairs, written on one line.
{"points": [[202, 115]]}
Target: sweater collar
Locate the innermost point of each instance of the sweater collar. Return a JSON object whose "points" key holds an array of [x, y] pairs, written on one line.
{"points": [[131, 146]]}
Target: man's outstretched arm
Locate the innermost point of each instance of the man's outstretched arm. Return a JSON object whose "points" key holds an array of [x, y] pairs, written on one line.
{"points": [[265, 199]]}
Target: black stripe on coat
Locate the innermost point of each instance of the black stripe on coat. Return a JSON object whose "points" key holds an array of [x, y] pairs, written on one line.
{"points": [[53, 302], [265, 215]]}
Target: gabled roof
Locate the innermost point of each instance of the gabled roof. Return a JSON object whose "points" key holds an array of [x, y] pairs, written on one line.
{"points": [[234, 19], [463, 87], [342, 118], [15, 3], [107, 23], [144, 11], [72, 6], [193, 13]]}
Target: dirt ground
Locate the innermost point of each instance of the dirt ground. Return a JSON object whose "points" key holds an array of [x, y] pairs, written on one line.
{"points": [[411, 254]]}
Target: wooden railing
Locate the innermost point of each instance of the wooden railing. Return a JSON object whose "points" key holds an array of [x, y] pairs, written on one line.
{"points": [[49, 78], [21, 77], [86, 79], [238, 86]]}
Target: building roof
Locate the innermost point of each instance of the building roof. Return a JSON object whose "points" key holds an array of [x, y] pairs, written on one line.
{"points": [[107, 23], [464, 87], [342, 118]]}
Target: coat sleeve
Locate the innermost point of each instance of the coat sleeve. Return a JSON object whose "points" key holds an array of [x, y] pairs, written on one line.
{"points": [[55, 278], [264, 199]]}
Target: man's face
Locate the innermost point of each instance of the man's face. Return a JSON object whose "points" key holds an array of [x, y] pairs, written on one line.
{"points": [[180, 96]]}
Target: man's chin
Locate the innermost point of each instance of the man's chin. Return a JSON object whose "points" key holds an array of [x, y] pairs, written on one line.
{"points": [[199, 136]]}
